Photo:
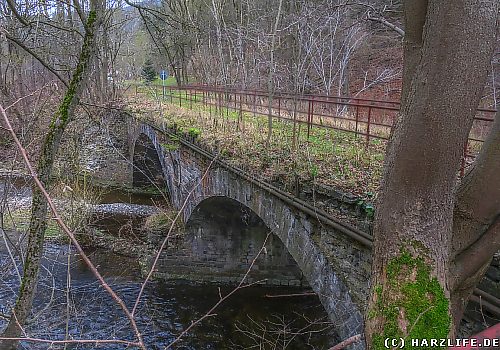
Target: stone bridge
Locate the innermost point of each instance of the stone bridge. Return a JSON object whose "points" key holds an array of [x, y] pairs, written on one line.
{"points": [[335, 265]]}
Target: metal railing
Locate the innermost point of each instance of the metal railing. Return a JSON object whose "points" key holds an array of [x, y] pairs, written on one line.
{"points": [[368, 118]]}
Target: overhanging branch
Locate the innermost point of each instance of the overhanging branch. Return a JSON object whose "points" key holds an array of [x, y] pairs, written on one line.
{"points": [[475, 256], [476, 221]]}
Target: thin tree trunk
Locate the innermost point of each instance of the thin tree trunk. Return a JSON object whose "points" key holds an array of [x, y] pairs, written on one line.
{"points": [[270, 87], [476, 222], [38, 220]]}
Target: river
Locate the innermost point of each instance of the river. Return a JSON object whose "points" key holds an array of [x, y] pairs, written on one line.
{"points": [[247, 320]]}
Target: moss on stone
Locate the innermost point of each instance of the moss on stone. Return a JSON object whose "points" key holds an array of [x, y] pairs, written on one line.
{"points": [[418, 310]]}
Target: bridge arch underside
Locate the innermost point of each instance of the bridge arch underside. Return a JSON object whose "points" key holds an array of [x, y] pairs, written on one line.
{"points": [[322, 254], [147, 170], [225, 237]]}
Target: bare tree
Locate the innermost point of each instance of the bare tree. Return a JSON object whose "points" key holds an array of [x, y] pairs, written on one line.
{"points": [[50, 146]]}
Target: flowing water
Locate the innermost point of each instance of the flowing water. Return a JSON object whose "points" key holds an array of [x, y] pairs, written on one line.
{"points": [[166, 308], [86, 311]]}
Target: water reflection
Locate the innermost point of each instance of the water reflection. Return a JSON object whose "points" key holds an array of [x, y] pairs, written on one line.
{"points": [[166, 308]]}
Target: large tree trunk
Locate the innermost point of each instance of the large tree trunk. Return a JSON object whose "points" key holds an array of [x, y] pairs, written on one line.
{"points": [[411, 282], [38, 220]]}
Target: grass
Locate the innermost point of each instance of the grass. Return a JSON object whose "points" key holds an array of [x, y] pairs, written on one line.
{"points": [[328, 157], [18, 219]]}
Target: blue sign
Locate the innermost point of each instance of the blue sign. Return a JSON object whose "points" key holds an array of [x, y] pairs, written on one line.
{"points": [[163, 75]]}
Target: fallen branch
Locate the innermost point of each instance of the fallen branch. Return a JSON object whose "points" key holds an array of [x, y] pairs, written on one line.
{"points": [[289, 295], [76, 341]]}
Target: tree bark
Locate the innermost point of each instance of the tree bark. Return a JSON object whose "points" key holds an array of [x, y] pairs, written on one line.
{"points": [[414, 13], [476, 225], [414, 221], [38, 220]]}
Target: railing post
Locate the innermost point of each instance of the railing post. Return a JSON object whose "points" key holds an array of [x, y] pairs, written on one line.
{"points": [[308, 118], [312, 110], [368, 125], [279, 106], [190, 99], [241, 109], [254, 103], [357, 120], [219, 103]]}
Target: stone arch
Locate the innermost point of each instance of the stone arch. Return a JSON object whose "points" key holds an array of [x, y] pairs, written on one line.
{"points": [[231, 235], [295, 232], [322, 254]]}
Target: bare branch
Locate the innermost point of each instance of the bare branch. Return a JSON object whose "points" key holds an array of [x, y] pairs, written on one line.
{"points": [[347, 342], [35, 55], [165, 241], [386, 23]]}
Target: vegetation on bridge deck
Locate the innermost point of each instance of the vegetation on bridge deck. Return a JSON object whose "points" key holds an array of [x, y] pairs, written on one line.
{"points": [[328, 157]]}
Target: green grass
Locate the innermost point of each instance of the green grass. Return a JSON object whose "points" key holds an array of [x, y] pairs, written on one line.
{"points": [[170, 81]]}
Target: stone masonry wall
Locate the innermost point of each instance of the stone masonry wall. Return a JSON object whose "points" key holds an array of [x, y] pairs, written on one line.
{"points": [[217, 251]]}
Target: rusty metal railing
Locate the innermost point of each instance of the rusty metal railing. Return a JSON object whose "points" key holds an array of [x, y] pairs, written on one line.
{"points": [[368, 118]]}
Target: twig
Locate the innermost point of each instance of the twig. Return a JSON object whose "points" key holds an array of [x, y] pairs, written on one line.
{"points": [[26, 96], [209, 313], [77, 341], [289, 295], [164, 243], [32, 53], [9, 251], [418, 319]]}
